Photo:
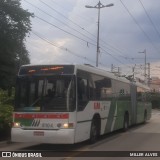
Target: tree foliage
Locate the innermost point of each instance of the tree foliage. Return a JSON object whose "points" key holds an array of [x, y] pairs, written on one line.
{"points": [[14, 27], [6, 109]]}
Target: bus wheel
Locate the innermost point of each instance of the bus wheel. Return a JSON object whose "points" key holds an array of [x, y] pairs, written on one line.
{"points": [[126, 122], [93, 132]]}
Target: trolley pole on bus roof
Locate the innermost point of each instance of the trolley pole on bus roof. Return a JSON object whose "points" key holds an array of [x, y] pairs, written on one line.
{"points": [[98, 6]]}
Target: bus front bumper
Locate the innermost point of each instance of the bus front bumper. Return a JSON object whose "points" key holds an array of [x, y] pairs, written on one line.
{"points": [[62, 136]]}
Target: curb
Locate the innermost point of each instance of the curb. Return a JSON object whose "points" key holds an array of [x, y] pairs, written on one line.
{"points": [[5, 142]]}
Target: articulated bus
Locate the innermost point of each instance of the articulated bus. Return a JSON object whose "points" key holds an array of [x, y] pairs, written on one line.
{"points": [[66, 104]]}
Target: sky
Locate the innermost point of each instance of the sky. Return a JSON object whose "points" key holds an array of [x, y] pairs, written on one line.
{"points": [[65, 31]]}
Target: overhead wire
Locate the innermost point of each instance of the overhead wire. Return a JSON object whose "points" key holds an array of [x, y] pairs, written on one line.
{"points": [[76, 37], [86, 18], [61, 14], [66, 18], [60, 47], [87, 42], [139, 26], [73, 29], [107, 44], [119, 52], [65, 49], [107, 53], [155, 28], [39, 47], [83, 29]]}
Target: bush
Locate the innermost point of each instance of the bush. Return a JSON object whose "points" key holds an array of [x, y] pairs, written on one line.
{"points": [[6, 109], [5, 98], [5, 116]]}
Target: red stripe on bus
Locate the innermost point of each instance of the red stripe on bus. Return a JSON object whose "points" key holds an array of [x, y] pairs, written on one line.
{"points": [[40, 116]]}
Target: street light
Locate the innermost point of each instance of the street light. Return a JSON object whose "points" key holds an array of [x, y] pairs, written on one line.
{"points": [[98, 6]]}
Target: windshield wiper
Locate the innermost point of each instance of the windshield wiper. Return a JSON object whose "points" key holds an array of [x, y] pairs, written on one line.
{"points": [[35, 101]]}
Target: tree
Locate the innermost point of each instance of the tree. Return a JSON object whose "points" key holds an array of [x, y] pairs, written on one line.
{"points": [[14, 27]]}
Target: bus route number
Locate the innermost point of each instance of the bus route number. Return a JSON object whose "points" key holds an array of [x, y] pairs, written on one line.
{"points": [[47, 125]]}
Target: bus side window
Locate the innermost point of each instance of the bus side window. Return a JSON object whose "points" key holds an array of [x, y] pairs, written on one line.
{"points": [[82, 90], [141, 95]]}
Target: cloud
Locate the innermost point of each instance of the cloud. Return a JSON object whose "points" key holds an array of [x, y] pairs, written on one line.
{"points": [[120, 37]]}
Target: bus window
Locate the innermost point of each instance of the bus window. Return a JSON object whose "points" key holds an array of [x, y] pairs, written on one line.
{"points": [[141, 94], [82, 91], [32, 92], [21, 92], [103, 87], [56, 96], [60, 88], [52, 93]]}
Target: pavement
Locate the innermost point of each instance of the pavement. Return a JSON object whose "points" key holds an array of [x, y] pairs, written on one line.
{"points": [[5, 142]]}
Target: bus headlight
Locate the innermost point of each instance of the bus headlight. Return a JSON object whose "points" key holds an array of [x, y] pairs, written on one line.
{"points": [[68, 125], [16, 125], [65, 125]]}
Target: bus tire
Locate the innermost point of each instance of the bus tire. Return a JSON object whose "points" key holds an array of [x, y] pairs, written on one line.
{"points": [[93, 132], [126, 122]]}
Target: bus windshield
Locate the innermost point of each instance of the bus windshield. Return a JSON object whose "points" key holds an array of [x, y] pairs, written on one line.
{"points": [[45, 93]]}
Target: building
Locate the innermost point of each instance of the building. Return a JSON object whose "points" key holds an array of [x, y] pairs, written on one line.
{"points": [[155, 84]]}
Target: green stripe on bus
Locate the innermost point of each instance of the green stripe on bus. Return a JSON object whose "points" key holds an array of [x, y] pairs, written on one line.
{"points": [[110, 116]]}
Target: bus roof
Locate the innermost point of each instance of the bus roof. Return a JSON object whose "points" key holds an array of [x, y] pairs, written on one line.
{"points": [[84, 67], [102, 72], [92, 69]]}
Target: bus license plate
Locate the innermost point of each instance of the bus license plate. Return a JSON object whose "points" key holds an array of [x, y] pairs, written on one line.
{"points": [[38, 133]]}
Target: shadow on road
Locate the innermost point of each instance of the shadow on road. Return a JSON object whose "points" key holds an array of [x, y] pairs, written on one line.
{"points": [[73, 147]]}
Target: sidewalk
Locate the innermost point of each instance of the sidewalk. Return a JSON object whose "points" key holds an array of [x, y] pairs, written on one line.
{"points": [[5, 142]]}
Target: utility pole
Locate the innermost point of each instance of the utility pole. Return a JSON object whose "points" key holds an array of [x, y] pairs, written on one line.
{"points": [[98, 6], [133, 70], [112, 67], [145, 74], [148, 74], [115, 70]]}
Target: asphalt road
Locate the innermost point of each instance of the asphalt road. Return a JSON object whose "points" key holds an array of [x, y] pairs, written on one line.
{"points": [[143, 137]]}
